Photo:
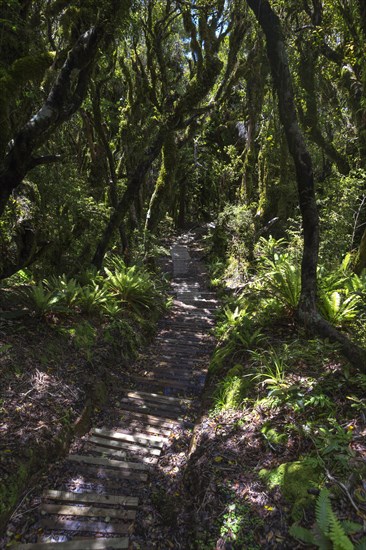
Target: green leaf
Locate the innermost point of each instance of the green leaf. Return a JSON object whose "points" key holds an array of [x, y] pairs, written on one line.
{"points": [[302, 534]]}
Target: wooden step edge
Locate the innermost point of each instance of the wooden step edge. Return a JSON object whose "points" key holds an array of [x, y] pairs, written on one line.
{"points": [[153, 440], [156, 397], [151, 419], [90, 498], [87, 511], [101, 475], [76, 526], [107, 463], [107, 443], [86, 544]]}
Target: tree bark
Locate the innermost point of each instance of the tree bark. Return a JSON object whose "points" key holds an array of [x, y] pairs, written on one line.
{"points": [[66, 96], [128, 197], [307, 309]]}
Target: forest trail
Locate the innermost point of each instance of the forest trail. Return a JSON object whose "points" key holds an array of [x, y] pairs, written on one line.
{"points": [[104, 485]]}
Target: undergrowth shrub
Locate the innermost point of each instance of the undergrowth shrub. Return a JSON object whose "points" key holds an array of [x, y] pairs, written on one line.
{"points": [[39, 300], [328, 531], [134, 287], [233, 238]]}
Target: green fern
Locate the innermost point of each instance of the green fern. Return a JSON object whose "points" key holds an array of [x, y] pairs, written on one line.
{"points": [[337, 533], [328, 532], [322, 511]]}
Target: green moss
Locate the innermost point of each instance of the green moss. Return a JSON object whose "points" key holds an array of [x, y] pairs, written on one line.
{"points": [[294, 479], [273, 436], [30, 67]]}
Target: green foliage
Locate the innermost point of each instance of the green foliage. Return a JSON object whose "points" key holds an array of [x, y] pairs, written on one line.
{"points": [[84, 336], [41, 301], [233, 237], [238, 334], [92, 298], [133, 287], [279, 271], [328, 531], [273, 371], [68, 288], [232, 391], [239, 525]]}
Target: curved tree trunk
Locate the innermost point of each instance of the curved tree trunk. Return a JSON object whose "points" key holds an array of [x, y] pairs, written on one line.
{"points": [[65, 98], [307, 309], [164, 183]]}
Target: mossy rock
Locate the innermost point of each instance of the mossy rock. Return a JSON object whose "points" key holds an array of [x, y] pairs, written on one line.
{"points": [[294, 479]]}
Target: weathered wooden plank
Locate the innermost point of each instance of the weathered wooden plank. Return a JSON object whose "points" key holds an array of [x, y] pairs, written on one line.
{"points": [[162, 382], [87, 511], [155, 397], [143, 439], [182, 342], [91, 498], [156, 420], [102, 527], [133, 455], [185, 357], [135, 405], [86, 544], [107, 463], [148, 423], [104, 450], [146, 403], [99, 474], [105, 443], [176, 372]]}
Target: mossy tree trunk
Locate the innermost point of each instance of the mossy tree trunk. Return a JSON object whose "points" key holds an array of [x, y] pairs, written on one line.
{"points": [[164, 183], [307, 309], [65, 98]]}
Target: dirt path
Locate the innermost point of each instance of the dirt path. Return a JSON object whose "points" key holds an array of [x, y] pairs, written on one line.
{"points": [[103, 484]]}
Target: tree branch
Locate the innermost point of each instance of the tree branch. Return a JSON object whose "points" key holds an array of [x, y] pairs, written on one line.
{"points": [[64, 99]]}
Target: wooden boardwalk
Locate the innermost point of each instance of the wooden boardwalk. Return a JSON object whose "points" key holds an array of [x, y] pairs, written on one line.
{"points": [[97, 510]]}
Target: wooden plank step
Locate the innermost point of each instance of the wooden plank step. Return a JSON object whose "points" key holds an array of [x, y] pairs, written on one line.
{"points": [[87, 511], [106, 463], [90, 498], [155, 397], [132, 456], [163, 382], [191, 353], [140, 416], [145, 403], [125, 445], [99, 474], [188, 329], [180, 371], [104, 450], [143, 425], [181, 375], [88, 484], [182, 341], [86, 544], [153, 420], [142, 439], [102, 527], [134, 405]]}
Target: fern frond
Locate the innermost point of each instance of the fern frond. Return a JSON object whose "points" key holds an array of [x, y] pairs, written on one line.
{"points": [[337, 534], [323, 511]]}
